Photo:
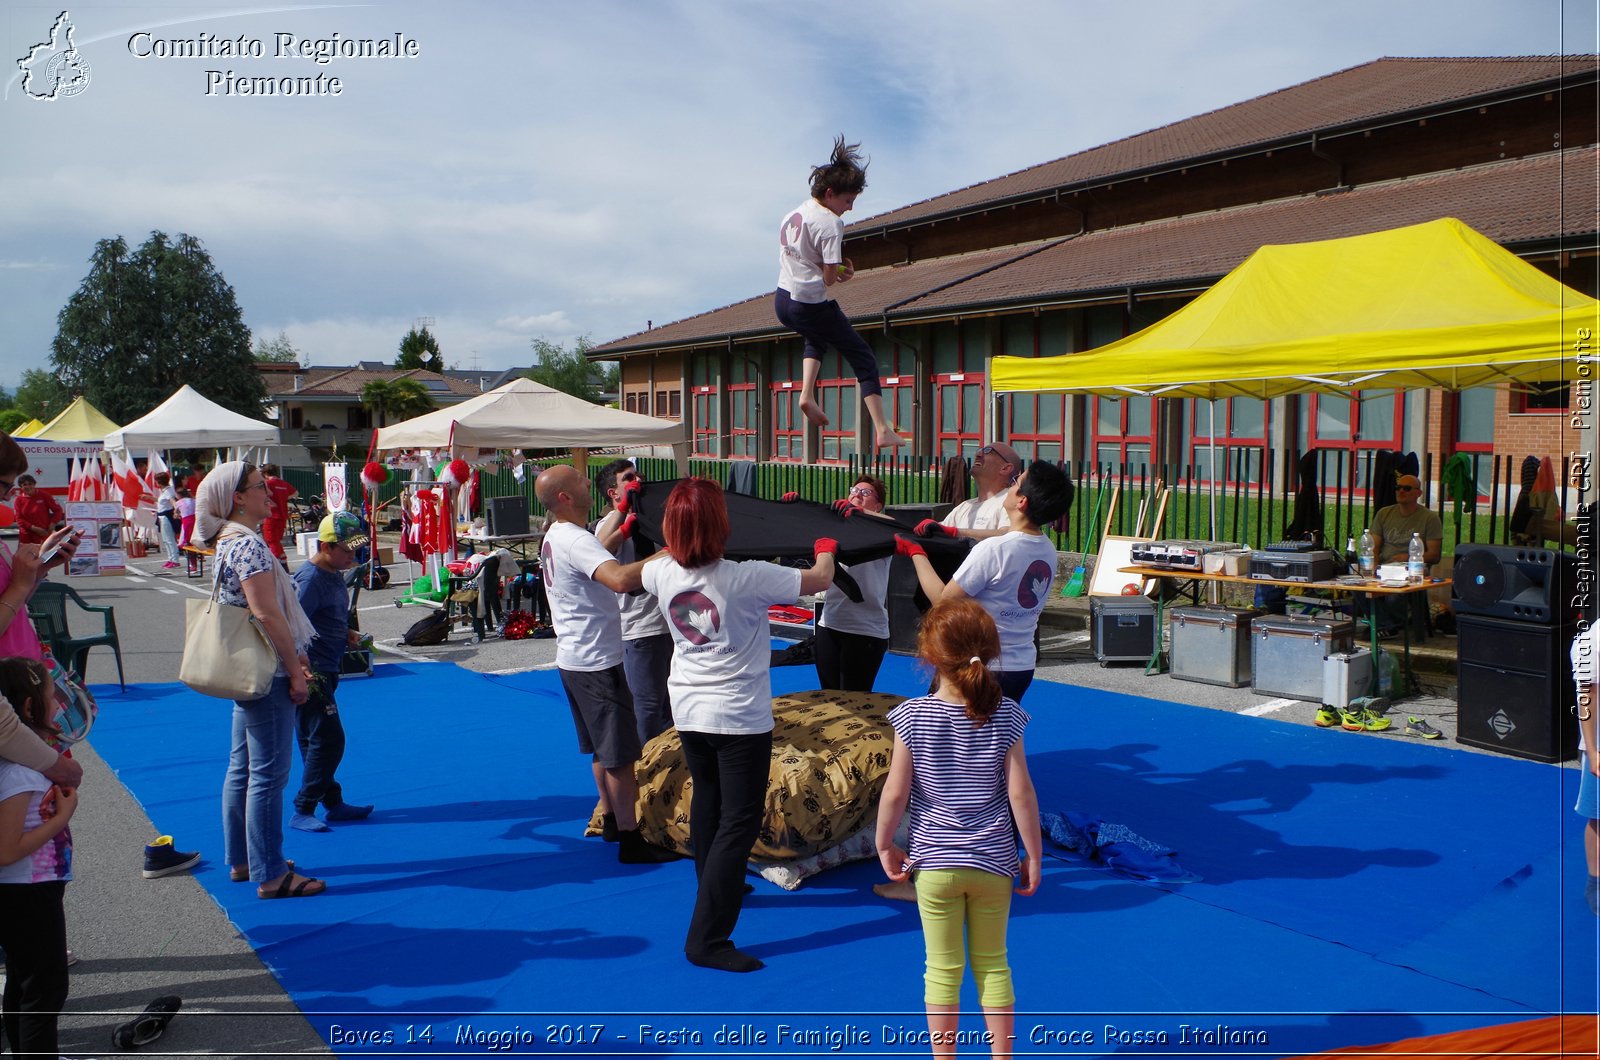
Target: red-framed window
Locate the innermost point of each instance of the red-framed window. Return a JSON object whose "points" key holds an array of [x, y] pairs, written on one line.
{"points": [[1122, 431], [958, 414], [1242, 427], [836, 393], [1034, 425], [788, 425], [1474, 412], [705, 400], [1541, 399], [744, 408], [1361, 420], [744, 419], [958, 388]]}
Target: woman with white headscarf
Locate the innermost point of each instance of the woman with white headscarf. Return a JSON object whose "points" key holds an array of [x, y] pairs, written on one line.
{"points": [[229, 507]]}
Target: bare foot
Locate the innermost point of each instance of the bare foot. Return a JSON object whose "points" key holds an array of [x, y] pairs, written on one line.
{"points": [[889, 438], [899, 890], [813, 412]]}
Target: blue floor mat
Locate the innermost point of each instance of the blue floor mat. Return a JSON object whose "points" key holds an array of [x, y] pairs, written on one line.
{"points": [[1354, 888]]}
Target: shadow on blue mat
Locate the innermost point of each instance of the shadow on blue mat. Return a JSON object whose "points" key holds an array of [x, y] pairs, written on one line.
{"points": [[1342, 874]]}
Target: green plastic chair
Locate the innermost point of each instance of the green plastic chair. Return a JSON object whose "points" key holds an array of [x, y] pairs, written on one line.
{"points": [[48, 609]]}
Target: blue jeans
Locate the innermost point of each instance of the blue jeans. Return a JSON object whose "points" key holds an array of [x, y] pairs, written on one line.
{"points": [[261, 752], [321, 738], [648, 663]]}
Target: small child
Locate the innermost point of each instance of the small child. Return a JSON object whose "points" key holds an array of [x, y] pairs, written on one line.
{"points": [[960, 766], [35, 865], [185, 515], [811, 260]]}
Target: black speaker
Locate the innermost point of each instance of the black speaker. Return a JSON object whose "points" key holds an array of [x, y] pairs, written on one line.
{"points": [[507, 516], [905, 603], [1514, 687], [1505, 581]]}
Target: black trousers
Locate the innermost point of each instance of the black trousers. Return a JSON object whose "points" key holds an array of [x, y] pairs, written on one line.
{"points": [[730, 792], [33, 930], [848, 661]]}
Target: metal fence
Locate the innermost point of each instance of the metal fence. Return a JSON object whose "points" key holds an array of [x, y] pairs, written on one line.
{"points": [[1122, 498]]}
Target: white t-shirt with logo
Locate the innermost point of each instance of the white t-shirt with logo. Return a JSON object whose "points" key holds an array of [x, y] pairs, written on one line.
{"points": [[721, 640], [869, 618], [810, 237], [583, 612], [1010, 576], [973, 514]]}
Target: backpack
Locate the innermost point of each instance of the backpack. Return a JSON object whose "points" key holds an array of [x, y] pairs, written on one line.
{"points": [[432, 628]]}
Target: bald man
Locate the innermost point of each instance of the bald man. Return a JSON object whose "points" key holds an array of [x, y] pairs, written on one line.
{"points": [[581, 580]]}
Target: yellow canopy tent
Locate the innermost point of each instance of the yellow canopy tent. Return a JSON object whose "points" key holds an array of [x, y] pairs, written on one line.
{"points": [[1435, 305], [28, 430], [79, 421]]}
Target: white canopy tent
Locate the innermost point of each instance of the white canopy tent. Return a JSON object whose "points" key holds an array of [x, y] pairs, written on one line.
{"points": [[188, 420], [523, 414]]}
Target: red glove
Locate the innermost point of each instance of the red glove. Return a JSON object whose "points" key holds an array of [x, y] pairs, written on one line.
{"points": [[629, 488], [929, 527], [825, 546], [843, 507], [904, 546], [626, 529], [789, 498]]}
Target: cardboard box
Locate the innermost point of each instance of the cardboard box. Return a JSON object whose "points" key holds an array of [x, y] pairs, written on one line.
{"points": [[386, 555]]}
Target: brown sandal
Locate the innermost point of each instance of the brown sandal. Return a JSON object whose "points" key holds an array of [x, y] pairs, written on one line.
{"points": [[242, 875], [287, 888]]}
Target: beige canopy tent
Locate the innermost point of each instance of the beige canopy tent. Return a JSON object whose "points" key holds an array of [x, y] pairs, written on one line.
{"points": [[190, 420], [523, 414], [28, 430], [1435, 305], [79, 421]]}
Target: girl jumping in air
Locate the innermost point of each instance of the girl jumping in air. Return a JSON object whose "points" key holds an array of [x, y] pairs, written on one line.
{"points": [[960, 768], [810, 261]]}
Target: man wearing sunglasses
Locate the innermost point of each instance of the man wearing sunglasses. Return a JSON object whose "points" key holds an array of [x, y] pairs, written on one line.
{"points": [[995, 468], [1392, 528]]}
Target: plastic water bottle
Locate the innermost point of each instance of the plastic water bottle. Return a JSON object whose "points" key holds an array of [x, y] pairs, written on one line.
{"points": [[1415, 569], [1369, 555]]}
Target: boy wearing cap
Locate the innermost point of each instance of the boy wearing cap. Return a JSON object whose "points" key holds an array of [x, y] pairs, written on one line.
{"points": [[321, 589]]}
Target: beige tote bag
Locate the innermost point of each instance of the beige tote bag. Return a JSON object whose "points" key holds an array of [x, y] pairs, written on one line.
{"points": [[226, 653]]}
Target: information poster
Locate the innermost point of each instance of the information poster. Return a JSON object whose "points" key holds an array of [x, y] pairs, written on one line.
{"points": [[100, 549]]}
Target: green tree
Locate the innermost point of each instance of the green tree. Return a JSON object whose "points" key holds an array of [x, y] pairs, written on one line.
{"points": [[277, 351], [400, 399], [571, 371], [41, 395], [147, 321], [11, 419], [419, 349]]}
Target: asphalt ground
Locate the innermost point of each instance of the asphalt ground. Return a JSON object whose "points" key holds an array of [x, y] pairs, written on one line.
{"points": [[138, 939]]}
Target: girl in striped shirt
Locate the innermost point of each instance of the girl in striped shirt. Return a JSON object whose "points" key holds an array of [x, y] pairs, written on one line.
{"points": [[960, 768]]}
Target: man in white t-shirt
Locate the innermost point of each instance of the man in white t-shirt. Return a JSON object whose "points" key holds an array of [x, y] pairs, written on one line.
{"points": [[994, 471], [581, 579], [646, 642], [1009, 574]]}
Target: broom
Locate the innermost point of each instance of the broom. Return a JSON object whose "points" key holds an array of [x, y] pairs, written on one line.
{"points": [[1074, 586]]}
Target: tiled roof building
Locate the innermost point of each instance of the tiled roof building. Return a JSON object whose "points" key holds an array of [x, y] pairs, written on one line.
{"points": [[1076, 252]]}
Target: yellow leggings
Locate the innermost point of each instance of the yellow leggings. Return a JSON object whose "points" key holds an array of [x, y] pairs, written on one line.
{"points": [[951, 900]]}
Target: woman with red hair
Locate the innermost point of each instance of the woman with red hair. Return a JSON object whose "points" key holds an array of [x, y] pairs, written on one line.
{"points": [[721, 691]]}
